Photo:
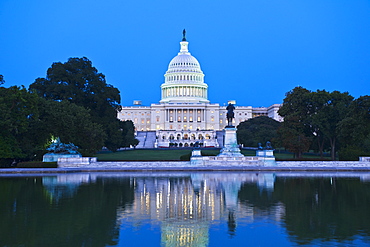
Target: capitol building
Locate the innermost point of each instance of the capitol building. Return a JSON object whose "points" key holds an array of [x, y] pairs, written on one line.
{"points": [[184, 114]]}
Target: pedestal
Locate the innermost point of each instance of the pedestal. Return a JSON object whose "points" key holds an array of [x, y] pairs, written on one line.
{"points": [[231, 148], [267, 155], [51, 157]]}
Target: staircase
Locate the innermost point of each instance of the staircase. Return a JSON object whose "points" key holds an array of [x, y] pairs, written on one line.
{"points": [[146, 139], [220, 138]]}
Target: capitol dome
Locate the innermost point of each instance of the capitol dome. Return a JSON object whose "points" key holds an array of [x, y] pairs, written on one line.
{"points": [[184, 80]]}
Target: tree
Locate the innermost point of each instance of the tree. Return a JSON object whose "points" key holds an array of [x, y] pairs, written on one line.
{"points": [[78, 82], [257, 130], [18, 110], [72, 124], [313, 115], [354, 130], [332, 110], [2, 79], [295, 133], [128, 134]]}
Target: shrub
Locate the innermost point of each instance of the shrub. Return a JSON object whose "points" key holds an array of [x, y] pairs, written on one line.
{"points": [[37, 164], [185, 157], [351, 153], [6, 162]]}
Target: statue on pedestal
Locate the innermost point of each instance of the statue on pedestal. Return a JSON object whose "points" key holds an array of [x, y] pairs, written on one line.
{"points": [[230, 114]]}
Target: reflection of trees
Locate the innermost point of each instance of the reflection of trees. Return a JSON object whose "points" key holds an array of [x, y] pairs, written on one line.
{"points": [[85, 210], [30, 216], [324, 208]]}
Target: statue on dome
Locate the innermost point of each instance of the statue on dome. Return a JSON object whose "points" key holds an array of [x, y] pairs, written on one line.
{"points": [[183, 35], [230, 114]]}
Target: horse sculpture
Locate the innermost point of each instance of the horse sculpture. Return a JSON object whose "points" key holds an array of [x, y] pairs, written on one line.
{"points": [[230, 114]]}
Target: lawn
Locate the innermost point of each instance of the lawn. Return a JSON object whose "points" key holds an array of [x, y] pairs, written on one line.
{"points": [[175, 154]]}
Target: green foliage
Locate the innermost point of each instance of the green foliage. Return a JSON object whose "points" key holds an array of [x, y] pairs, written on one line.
{"points": [[37, 164], [19, 113], [185, 157], [352, 153], [257, 130], [294, 133], [78, 82], [72, 124], [313, 116], [127, 129], [355, 130]]}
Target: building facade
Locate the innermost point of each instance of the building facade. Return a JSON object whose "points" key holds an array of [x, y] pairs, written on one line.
{"points": [[184, 114]]}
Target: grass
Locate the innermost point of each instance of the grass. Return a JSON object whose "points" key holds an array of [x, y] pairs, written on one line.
{"points": [[175, 154]]}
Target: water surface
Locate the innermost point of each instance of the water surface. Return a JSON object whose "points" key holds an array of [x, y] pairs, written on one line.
{"points": [[185, 209]]}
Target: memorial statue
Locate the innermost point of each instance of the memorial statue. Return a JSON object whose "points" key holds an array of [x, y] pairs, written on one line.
{"points": [[230, 114], [183, 35], [58, 147], [268, 146]]}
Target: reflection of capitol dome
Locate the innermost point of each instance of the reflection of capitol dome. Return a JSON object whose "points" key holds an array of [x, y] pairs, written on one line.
{"points": [[184, 80], [178, 234]]}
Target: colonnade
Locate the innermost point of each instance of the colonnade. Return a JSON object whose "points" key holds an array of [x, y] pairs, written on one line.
{"points": [[184, 91], [185, 115]]}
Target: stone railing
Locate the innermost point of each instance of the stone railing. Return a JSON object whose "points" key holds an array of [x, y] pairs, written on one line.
{"points": [[365, 159], [76, 162]]}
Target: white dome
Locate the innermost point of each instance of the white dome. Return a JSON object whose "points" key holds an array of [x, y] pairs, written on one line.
{"points": [[184, 80], [184, 62]]}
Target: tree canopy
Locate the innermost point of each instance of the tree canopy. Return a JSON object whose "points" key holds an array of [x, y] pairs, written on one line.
{"points": [[321, 118], [257, 130], [78, 82]]}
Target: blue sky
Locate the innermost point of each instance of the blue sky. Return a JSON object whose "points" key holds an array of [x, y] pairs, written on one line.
{"points": [[250, 51]]}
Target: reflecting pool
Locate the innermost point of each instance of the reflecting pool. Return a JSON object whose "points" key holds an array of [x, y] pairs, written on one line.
{"points": [[185, 209]]}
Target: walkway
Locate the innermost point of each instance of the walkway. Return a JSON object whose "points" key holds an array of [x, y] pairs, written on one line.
{"points": [[155, 166]]}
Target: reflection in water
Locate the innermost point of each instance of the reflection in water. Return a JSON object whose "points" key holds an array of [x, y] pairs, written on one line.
{"points": [[187, 205], [189, 208]]}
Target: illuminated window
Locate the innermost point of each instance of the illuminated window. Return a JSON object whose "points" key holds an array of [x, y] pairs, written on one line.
{"points": [[198, 119]]}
